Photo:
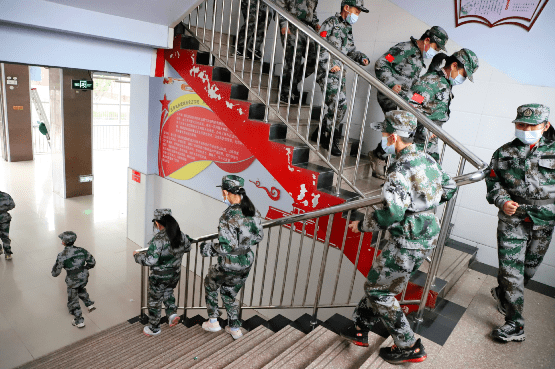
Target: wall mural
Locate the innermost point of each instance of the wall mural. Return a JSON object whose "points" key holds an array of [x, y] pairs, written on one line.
{"points": [[492, 13]]}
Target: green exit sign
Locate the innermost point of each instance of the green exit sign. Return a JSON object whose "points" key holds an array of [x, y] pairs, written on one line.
{"points": [[81, 84]]}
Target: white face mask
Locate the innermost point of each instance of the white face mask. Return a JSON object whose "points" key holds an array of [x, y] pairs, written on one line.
{"points": [[528, 137], [352, 18], [430, 53], [458, 80], [389, 149]]}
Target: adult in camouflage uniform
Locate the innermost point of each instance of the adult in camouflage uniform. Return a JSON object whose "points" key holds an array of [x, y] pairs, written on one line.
{"points": [[521, 183], [305, 11], [249, 6], [338, 31], [415, 185], [76, 261], [6, 204], [399, 68], [240, 229], [432, 93], [164, 257]]}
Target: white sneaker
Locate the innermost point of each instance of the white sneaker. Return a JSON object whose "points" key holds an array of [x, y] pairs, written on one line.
{"points": [[78, 325], [211, 327], [147, 331], [174, 320], [8, 256], [235, 334], [91, 308]]}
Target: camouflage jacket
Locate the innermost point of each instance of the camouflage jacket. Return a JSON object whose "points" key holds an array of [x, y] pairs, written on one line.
{"points": [[516, 170], [400, 65], [76, 261], [436, 92], [237, 234], [164, 262], [414, 183], [6, 204], [339, 33], [304, 10]]}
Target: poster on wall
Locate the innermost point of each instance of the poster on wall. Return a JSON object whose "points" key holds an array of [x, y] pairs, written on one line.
{"points": [[196, 149], [492, 13]]}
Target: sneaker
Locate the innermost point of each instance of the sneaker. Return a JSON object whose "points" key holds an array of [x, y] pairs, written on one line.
{"points": [[174, 320], [78, 325], [497, 298], [284, 98], [509, 331], [91, 308], [356, 335], [235, 334], [151, 333], [396, 355], [211, 327], [8, 256], [325, 143], [377, 165]]}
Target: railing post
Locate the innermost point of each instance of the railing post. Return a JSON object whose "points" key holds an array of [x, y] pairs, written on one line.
{"points": [[144, 294], [314, 320], [438, 252]]}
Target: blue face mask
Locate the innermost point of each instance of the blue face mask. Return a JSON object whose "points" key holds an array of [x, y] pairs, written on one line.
{"points": [[430, 53], [352, 18], [457, 81], [389, 149], [528, 137], [226, 201]]}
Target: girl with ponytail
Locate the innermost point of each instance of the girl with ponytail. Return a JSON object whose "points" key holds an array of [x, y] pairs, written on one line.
{"points": [[164, 257], [240, 228]]}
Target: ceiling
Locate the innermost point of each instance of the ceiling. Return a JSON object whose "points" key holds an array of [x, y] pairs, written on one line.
{"points": [[164, 12], [528, 57]]}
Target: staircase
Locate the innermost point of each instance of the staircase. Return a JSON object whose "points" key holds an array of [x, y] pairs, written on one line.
{"points": [[277, 343]]}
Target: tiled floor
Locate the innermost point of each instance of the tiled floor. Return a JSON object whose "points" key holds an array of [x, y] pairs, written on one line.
{"points": [[33, 314]]}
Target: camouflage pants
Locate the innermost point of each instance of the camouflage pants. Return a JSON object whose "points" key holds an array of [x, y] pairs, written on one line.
{"points": [[520, 249], [160, 291], [388, 277], [5, 237], [335, 95], [433, 143], [73, 296], [251, 22], [229, 283], [297, 73], [386, 104]]}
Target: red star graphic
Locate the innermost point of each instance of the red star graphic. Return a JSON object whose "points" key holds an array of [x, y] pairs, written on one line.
{"points": [[165, 103]]}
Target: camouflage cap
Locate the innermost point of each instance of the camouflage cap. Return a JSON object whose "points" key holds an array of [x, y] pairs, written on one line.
{"points": [[68, 237], [469, 60], [532, 114], [439, 36], [356, 3], [400, 122], [232, 183], [159, 213]]}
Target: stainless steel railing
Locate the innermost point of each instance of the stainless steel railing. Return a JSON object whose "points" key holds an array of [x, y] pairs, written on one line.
{"points": [[207, 22]]}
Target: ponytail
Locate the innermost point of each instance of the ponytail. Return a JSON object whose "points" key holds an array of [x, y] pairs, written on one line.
{"points": [[438, 62], [172, 230], [247, 207]]}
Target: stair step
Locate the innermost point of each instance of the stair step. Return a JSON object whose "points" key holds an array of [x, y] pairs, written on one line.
{"points": [[199, 353], [200, 32], [374, 361], [235, 350], [343, 354], [100, 343], [255, 79], [300, 150], [268, 350], [304, 351], [325, 177]]}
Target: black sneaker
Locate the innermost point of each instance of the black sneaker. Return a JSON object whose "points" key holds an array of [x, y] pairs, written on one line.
{"points": [[284, 98], [396, 355], [509, 331], [325, 143], [497, 298], [357, 336]]}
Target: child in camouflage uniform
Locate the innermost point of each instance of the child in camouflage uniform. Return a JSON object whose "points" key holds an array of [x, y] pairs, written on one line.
{"points": [[76, 261], [240, 228], [432, 93], [249, 6], [164, 257], [521, 183], [6, 204], [415, 185], [399, 68], [338, 31]]}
